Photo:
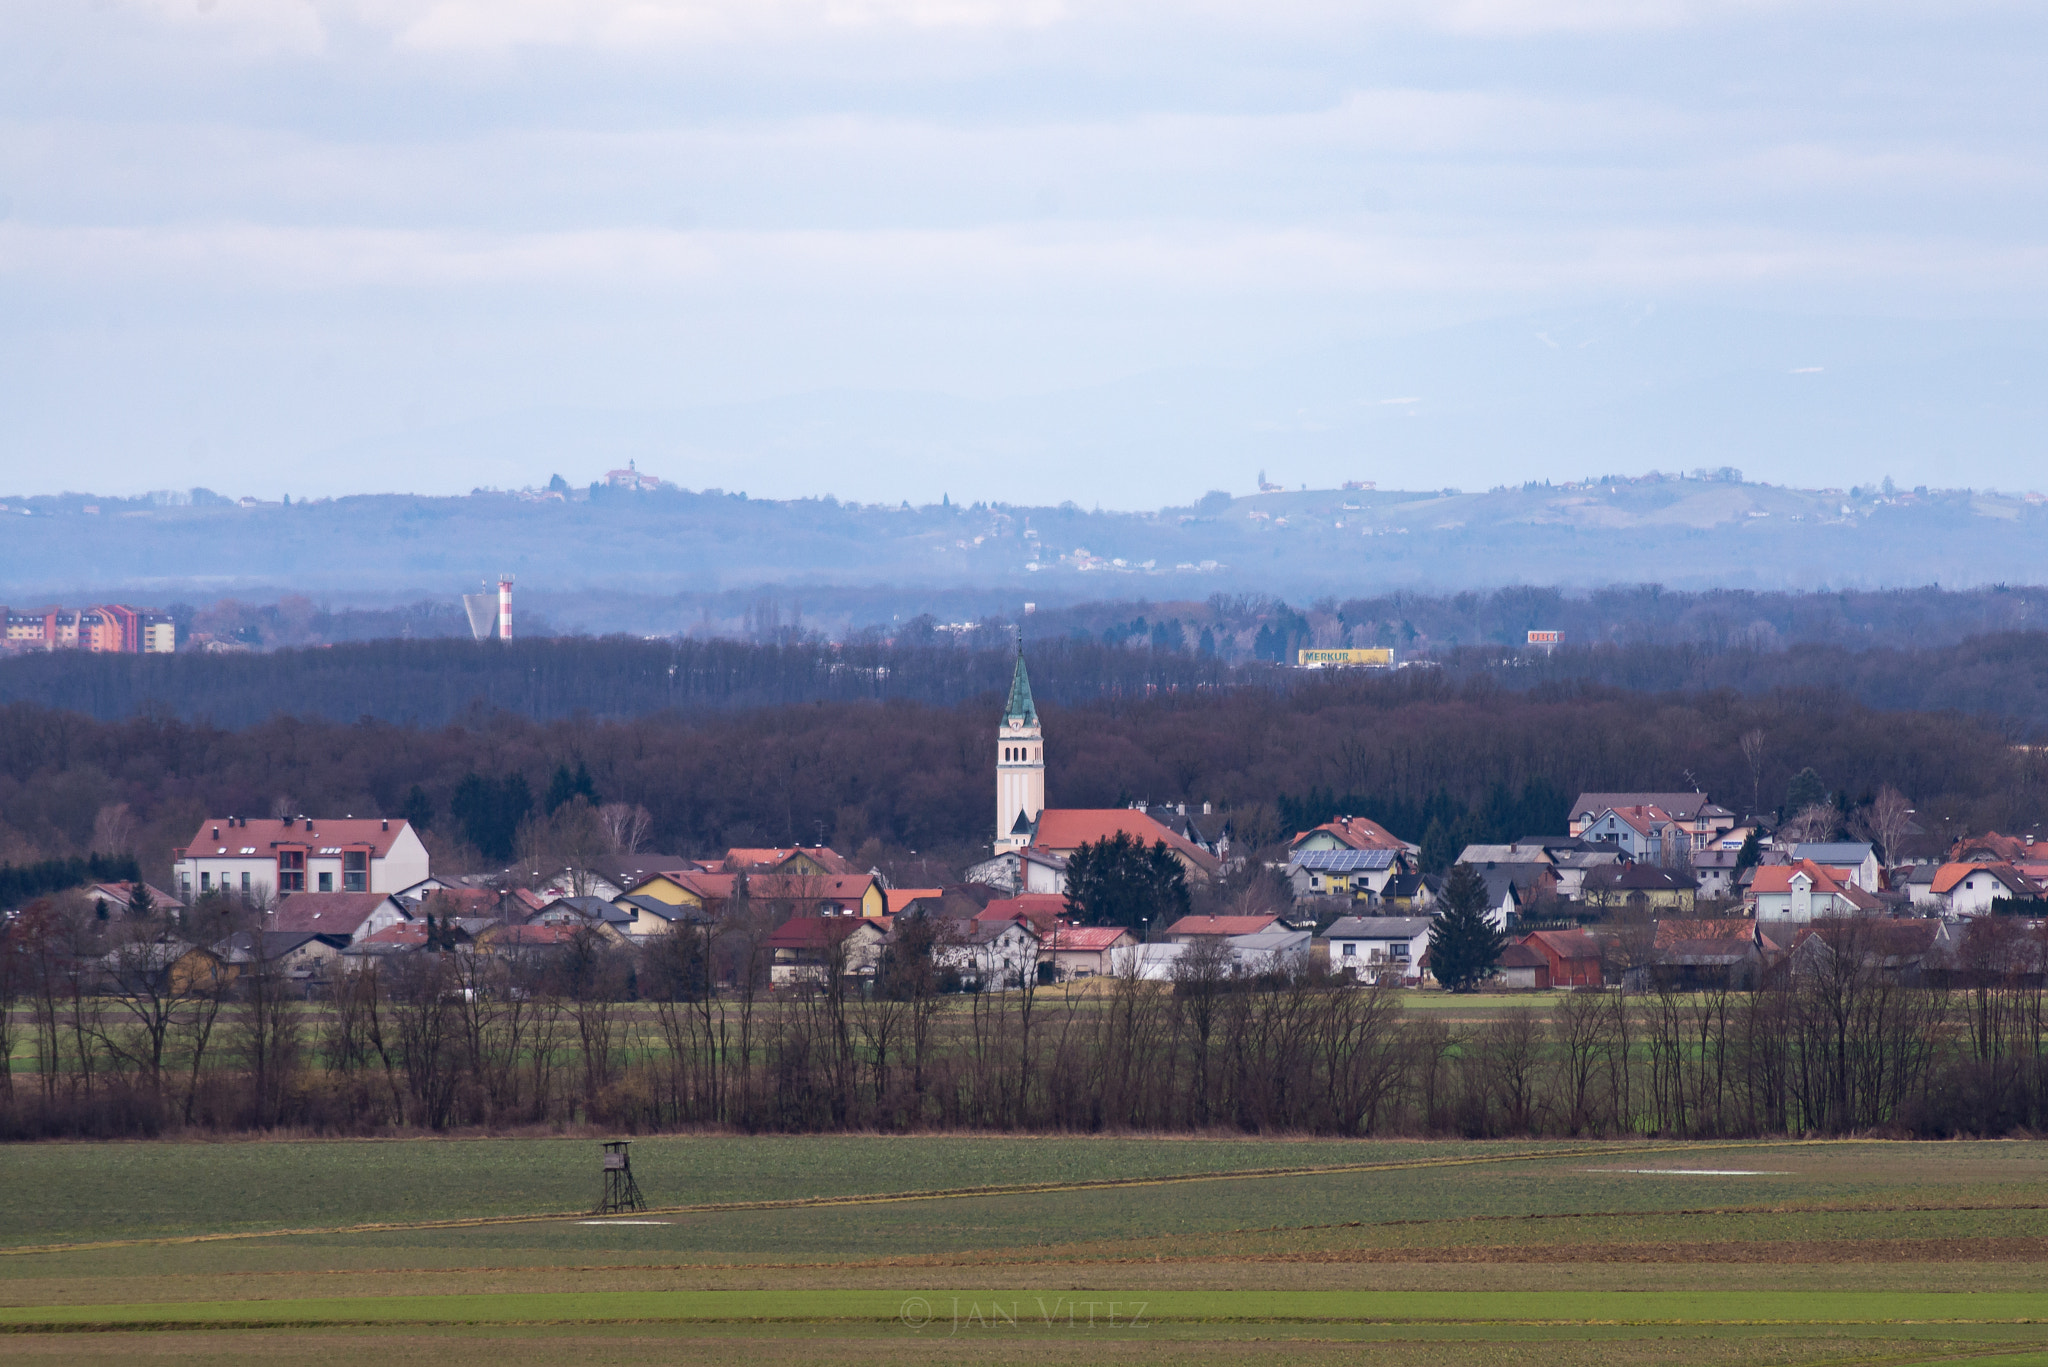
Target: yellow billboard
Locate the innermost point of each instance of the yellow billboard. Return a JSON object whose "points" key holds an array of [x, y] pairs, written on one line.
{"points": [[1380, 656]]}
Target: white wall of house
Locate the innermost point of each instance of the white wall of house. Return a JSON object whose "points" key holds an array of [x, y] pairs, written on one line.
{"points": [[1974, 895], [1367, 959]]}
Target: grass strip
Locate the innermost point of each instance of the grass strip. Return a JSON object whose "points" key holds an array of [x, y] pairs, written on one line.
{"points": [[1099, 1309]]}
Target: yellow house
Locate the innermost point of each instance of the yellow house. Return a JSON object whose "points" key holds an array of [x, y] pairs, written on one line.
{"points": [[805, 894]]}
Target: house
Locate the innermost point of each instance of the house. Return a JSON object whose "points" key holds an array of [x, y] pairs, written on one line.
{"points": [[1206, 827], [806, 949], [526, 939], [1360, 875], [1991, 848], [1849, 861], [260, 858], [798, 893], [1189, 928], [649, 916], [796, 860], [1369, 948], [1573, 956], [990, 956], [166, 968], [357, 915], [1803, 892], [1062, 830], [1522, 967], [896, 901], [1041, 911], [1273, 950], [1970, 889], [609, 919], [1084, 951], [1640, 887], [1510, 888], [1646, 834], [606, 876], [1406, 892], [1702, 821], [1349, 833], [1713, 873], [108, 897]]}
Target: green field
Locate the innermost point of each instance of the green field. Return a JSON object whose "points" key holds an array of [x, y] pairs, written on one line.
{"points": [[887, 1249]]}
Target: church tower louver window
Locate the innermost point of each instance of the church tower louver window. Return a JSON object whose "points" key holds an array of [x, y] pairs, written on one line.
{"points": [[1020, 765]]}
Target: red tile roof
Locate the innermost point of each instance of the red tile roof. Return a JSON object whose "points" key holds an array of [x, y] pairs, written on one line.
{"points": [[1949, 875], [816, 932], [1221, 925], [831, 859], [326, 913], [1085, 939], [221, 835], [1041, 909], [531, 936], [1778, 877], [899, 898], [1064, 829], [1566, 944], [1358, 833]]}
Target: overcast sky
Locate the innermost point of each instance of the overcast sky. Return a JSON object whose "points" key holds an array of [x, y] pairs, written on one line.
{"points": [[331, 246]]}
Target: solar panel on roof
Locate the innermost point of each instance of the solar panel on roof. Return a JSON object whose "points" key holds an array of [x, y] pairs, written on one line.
{"points": [[1346, 861]]}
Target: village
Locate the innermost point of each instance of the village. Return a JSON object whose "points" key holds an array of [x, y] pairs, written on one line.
{"points": [[1642, 889]]}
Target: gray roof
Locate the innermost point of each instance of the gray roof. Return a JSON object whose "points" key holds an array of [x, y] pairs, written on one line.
{"points": [[1834, 852], [1682, 806], [1344, 861], [1378, 927]]}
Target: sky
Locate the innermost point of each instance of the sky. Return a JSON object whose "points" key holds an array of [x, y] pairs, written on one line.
{"points": [[1117, 253]]}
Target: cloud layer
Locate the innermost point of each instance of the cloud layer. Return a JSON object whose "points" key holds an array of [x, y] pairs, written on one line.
{"points": [[240, 236]]}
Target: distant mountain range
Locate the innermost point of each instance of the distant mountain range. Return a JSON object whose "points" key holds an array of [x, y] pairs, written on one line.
{"points": [[1683, 532]]}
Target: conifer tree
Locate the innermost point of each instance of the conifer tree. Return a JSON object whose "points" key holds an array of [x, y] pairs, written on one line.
{"points": [[1464, 947]]}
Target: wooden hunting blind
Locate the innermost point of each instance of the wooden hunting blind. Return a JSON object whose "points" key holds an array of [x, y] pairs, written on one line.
{"points": [[621, 1192]]}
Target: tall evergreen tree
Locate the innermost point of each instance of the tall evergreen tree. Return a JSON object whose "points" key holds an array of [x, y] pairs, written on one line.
{"points": [[1119, 882], [418, 810], [1464, 947]]}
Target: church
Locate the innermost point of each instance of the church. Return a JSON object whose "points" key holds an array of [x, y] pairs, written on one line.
{"points": [[1033, 841]]}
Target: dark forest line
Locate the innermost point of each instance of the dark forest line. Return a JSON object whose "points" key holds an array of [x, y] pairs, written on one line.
{"points": [[883, 778]]}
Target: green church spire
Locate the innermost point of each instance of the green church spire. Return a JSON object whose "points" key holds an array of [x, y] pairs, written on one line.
{"points": [[1021, 711]]}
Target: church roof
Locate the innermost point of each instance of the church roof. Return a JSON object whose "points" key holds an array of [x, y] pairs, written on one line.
{"points": [[1020, 707]]}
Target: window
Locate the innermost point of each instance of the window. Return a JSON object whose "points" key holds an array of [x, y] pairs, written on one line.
{"points": [[327, 882], [245, 882], [355, 871], [205, 882], [291, 870], [1400, 951], [1350, 950], [185, 884]]}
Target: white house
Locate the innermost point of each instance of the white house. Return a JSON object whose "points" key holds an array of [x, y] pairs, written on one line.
{"points": [[1803, 892], [1366, 947], [1850, 861], [996, 954], [265, 857], [1970, 889], [1713, 872]]}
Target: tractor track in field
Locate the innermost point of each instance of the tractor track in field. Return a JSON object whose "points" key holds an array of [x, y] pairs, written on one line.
{"points": [[1016, 1189]]}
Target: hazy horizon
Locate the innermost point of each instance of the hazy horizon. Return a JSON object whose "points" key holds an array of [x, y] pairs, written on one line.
{"points": [[1120, 254]]}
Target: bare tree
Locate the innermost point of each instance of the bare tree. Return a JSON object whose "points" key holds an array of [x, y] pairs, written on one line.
{"points": [[1886, 820], [1815, 821], [625, 826], [113, 830], [1753, 755]]}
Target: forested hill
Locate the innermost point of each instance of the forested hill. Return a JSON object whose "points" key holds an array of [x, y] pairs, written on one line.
{"points": [[2001, 679], [1679, 532]]}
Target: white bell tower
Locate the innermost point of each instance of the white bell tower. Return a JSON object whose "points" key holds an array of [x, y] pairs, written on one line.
{"points": [[1020, 765]]}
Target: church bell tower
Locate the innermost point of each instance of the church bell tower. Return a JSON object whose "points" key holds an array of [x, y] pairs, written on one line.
{"points": [[1020, 765]]}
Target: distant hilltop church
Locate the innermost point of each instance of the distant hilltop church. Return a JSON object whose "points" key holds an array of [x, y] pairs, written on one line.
{"points": [[1033, 841]]}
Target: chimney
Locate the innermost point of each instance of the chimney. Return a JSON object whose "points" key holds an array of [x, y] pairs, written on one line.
{"points": [[1205, 809], [387, 823], [216, 832]]}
